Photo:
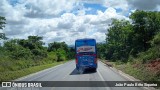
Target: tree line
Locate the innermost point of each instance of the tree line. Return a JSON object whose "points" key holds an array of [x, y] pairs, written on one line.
{"points": [[23, 53], [16, 54], [126, 39]]}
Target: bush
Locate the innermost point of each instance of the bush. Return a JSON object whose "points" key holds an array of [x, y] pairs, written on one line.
{"points": [[62, 58], [153, 52], [150, 54], [52, 56], [156, 40], [38, 52], [21, 53], [61, 55]]}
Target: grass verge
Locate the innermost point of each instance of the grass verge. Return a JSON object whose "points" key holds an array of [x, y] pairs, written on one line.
{"points": [[11, 75], [139, 72]]}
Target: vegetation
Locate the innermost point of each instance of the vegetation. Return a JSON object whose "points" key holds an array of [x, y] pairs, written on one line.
{"points": [[2, 22], [11, 75], [134, 45], [19, 54], [2, 25], [19, 57]]}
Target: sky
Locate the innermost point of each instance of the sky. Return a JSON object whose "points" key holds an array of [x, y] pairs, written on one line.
{"points": [[67, 20]]}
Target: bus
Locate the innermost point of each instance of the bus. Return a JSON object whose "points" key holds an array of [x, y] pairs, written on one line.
{"points": [[86, 54]]}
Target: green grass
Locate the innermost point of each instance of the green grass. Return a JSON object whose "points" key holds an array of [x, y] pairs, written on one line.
{"points": [[11, 75], [139, 72]]}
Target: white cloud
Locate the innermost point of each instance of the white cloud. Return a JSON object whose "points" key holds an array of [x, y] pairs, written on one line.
{"points": [[144, 5], [116, 4], [158, 8], [122, 4], [15, 20], [47, 8], [44, 18], [66, 21]]}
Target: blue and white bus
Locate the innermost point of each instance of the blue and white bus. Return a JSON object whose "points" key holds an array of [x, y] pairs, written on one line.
{"points": [[86, 54]]}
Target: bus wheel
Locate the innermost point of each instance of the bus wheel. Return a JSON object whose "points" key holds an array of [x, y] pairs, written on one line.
{"points": [[77, 68], [95, 69]]}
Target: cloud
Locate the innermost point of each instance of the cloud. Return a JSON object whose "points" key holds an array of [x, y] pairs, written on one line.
{"points": [[121, 5], [47, 8], [91, 26], [15, 20], [57, 21], [66, 21], [109, 3], [144, 5]]}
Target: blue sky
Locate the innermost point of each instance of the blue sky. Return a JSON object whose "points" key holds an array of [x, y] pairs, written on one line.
{"points": [[94, 8], [13, 2], [67, 20]]}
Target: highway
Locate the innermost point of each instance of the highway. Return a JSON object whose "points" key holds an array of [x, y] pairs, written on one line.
{"points": [[67, 72]]}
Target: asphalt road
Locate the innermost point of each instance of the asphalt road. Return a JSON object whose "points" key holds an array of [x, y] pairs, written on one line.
{"points": [[67, 72]]}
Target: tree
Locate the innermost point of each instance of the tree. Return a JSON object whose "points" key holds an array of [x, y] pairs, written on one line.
{"points": [[33, 42], [16, 51], [2, 25], [2, 22], [56, 45], [145, 25], [118, 40], [61, 47], [71, 53], [126, 38], [61, 54], [101, 47]]}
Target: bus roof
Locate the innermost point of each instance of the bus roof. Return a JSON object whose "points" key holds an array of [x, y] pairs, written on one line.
{"points": [[85, 39]]}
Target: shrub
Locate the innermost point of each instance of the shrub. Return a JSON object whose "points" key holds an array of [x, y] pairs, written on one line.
{"points": [[156, 40], [61, 55], [153, 52], [52, 56]]}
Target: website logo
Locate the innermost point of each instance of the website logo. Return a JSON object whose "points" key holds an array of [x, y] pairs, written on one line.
{"points": [[6, 84]]}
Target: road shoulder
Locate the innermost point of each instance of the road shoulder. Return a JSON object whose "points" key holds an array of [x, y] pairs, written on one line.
{"points": [[126, 76]]}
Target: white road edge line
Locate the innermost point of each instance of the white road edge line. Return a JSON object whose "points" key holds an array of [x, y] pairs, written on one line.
{"points": [[107, 88], [100, 75]]}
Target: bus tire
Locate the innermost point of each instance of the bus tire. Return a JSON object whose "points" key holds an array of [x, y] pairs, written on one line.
{"points": [[95, 69]]}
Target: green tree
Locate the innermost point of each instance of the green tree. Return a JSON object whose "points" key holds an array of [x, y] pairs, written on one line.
{"points": [[2, 22], [145, 25], [71, 53], [56, 45], [118, 40], [16, 51], [30, 48], [33, 42], [101, 48], [61, 54], [60, 47], [126, 38], [2, 25]]}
